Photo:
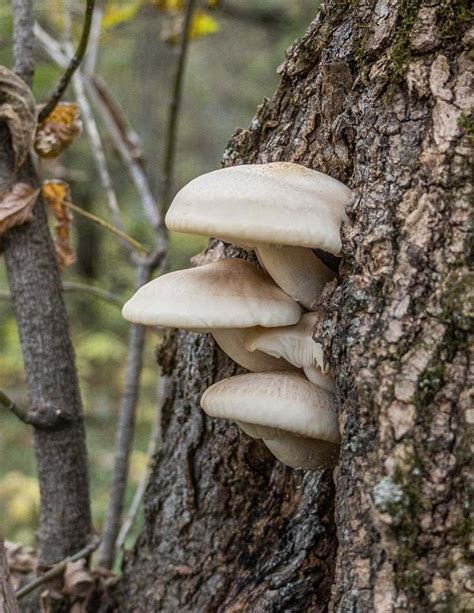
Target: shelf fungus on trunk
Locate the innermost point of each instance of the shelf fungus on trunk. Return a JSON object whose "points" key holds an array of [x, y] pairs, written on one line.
{"points": [[224, 298], [296, 419], [296, 345], [282, 210]]}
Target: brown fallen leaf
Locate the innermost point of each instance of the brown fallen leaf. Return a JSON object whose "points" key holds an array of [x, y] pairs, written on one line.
{"points": [[77, 579], [58, 130], [16, 205], [18, 112], [56, 194]]}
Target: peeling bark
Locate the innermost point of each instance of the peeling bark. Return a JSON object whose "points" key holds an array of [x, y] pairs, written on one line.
{"points": [[375, 94]]}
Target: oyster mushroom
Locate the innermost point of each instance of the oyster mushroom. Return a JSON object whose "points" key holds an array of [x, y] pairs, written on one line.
{"points": [[280, 209], [224, 298], [295, 419]]}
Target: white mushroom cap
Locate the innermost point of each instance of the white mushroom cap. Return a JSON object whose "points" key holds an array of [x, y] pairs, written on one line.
{"points": [[284, 401], [230, 293], [223, 298], [280, 203], [296, 345]]}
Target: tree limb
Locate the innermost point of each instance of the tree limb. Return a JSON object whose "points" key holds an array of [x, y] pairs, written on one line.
{"points": [[35, 284], [126, 423], [175, 105], [7, 403], [73, 65], [105, 224], [74, 286], [59, 568]]}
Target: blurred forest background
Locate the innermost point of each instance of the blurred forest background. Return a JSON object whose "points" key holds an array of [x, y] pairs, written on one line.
{"points": [[236, 48]]}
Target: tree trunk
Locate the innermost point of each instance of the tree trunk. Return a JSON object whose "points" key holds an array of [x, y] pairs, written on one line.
{"points": [[376, 95], [56, 408]]}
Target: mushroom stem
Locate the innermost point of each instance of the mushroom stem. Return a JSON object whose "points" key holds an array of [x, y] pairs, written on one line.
{"points": [[231, 341], [303, 452], [297, 270]]}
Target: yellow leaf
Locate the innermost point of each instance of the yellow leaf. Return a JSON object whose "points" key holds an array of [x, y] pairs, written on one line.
{"points": [[119, 12], [57, 194], [60, 128], [168, 6], [203, 25]]}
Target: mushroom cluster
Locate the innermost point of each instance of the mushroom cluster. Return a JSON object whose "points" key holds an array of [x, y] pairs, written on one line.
{"points": [[262, 318]]}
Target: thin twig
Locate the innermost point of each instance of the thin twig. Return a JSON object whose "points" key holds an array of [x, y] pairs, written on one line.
{"points": [[128, 134], [97, 150], [175, 105], [73, 65], [124, 433], [59, 568], [8, 404], [110, 297], [23, 59], [153, 444], [126, 423], [73, 286], [54, 51], [105, 224], [90, 60], [134, 169]]}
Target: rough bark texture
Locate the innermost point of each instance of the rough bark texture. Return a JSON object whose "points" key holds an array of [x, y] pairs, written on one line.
{"points": [[376, 95], [52, 382]]}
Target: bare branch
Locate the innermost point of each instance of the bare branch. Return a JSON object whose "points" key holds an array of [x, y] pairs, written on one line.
{"points": [[8, 404], [125, 427], [110, 297], [134, 169], [59, 568], [90, 60], [175, 105], [73, 286], [124, 433], [54, 51], [73, 65], [105, 224], [153, 444], [23, 60]]}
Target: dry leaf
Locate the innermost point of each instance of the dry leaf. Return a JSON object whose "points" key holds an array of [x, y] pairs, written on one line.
{"points": [[16, 205], [18, 111], [56, 194], [20, 558], [77, 579], [58, 130]]}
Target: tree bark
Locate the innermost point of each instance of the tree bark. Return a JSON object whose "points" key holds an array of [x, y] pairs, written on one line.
{"points": [[376, 95], [56, 407]]}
